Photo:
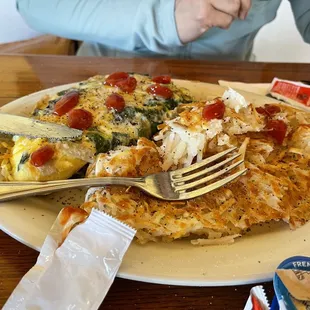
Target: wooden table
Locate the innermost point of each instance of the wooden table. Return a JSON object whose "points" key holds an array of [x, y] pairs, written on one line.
{"points": [[20, 76]]}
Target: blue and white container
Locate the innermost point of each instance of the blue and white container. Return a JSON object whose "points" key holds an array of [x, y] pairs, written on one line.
{"points": [[284, 299]]}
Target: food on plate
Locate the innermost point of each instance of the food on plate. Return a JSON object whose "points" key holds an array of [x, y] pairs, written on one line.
{"points": [[274, 141], [113, 110], [135, 125]]}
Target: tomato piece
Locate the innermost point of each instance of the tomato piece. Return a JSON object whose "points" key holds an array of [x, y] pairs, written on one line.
{"points": [[277, 130], [128, 85], [80, 119], [160, 91], [67, 102], [162, 79], [116, 102], [261, 110], [268, 110], [41, 156], [272, 109], [113, 78], [214, 110]]}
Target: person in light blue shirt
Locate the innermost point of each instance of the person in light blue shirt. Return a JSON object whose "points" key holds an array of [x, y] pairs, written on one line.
{"points": [[197, 29]]}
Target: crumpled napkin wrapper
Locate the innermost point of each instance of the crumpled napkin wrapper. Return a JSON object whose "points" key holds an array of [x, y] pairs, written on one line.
{"points": [[77, 264]]}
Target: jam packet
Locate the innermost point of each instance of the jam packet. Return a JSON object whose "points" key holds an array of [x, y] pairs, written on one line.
{"points": [[294, 93], [292, 284], [77, 264], [257, 299]]}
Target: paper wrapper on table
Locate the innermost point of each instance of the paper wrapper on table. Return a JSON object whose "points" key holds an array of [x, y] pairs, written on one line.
{"points": [[294, 93], [77, 263], [255, 88], [257, 299], [292, 283]]}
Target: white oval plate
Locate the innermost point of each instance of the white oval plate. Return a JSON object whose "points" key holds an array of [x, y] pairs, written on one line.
{"points": [[251, 259]]}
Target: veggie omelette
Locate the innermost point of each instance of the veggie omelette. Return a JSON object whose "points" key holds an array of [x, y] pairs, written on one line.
{"points": [[112, 111]]}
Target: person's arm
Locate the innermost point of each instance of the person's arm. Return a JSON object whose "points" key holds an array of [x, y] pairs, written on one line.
{"points": [[301, 10], [123, 24], [158, 25]]}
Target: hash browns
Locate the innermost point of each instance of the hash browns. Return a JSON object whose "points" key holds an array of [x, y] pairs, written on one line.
{"points": [[275, 187]]}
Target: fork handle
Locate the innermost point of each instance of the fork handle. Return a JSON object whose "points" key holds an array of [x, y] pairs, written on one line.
{"points": [[33, 189]]}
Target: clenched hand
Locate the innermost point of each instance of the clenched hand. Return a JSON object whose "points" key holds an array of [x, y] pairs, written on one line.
{"points": [[195, 17]]}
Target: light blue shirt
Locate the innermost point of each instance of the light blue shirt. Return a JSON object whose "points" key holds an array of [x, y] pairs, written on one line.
{"points": [[146, 28]]}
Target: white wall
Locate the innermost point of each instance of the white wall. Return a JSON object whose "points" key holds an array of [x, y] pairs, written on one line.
{"points": [[12, 26], [280, 40]]}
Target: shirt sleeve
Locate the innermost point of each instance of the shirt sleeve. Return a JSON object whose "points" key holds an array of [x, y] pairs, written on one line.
{"points": [[301, 10], [128, 25]]}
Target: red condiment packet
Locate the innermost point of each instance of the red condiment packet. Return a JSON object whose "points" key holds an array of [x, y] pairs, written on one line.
{"points": [[257, 299], [294, 93]]}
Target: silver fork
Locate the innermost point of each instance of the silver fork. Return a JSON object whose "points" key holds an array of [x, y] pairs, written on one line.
{"points": [[180, 184]]}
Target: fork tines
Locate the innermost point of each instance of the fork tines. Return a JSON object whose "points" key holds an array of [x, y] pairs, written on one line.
{"points": [[196, 179]]}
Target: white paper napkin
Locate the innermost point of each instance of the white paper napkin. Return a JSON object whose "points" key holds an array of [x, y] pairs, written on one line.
{"points": [[256, 88]]}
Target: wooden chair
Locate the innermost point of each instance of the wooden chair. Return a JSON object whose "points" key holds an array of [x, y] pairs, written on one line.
{"points": [[45, 44]]}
